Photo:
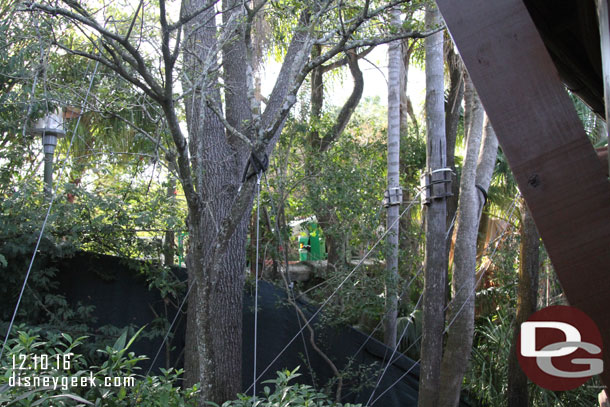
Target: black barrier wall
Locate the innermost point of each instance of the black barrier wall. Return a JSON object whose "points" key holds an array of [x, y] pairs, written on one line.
{"points": [[121, 296]]}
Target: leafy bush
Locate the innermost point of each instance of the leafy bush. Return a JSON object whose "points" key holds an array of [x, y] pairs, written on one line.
{"points": [[65, 365], [488, 374], [120, 220], [285, 394]]}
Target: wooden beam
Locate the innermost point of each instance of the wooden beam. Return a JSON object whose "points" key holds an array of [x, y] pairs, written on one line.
{"points": [[552, 159], [603, 15]]}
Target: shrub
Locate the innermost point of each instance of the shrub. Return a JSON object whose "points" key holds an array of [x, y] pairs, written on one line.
{"points": [[58, 359], [71, 382], [285, 394]]}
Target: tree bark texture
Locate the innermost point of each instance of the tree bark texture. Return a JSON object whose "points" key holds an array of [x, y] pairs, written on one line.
{"points": [[191, 358], [527, 293], [392, 226], [169, 244], [486, 162], [461, 314], [477, 171], [485, 170], [218, 160], [453, 107], [435, 264]]}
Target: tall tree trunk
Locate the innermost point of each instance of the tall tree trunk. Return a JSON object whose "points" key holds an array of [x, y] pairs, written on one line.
{"points": [[435, 263], [408, 244], [453, 107], [392, 226], [191, 353], [218, 161], [527, 293], [477, 171]]}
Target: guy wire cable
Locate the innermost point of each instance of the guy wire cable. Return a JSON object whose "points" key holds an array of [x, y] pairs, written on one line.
{"points": [[404, 290], [381, 321], [315, 314], [289, 284], [171, 326], [512, 207], [391, 361], [44, 223], [258, 206]]}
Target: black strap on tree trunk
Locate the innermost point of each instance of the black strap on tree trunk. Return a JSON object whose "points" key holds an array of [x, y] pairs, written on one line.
{"points": [[480, 188], [258, 166]]}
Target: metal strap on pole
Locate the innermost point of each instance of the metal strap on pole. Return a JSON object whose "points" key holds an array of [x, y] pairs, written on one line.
{"points": [[436, 184], [392, 197]]}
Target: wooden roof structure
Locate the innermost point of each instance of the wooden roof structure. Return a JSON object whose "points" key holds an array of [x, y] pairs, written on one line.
{"points": [[570, 32], [518, 55]]}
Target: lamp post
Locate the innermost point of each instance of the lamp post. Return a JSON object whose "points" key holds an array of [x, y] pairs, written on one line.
{"points": [[50, 127]]}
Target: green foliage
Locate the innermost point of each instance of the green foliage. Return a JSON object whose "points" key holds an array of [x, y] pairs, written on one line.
{"points": [[593, 124], [122, 218], [36, 78], [285, 394], [113, 383], [488, 376], [343, 188], [65, 363]]}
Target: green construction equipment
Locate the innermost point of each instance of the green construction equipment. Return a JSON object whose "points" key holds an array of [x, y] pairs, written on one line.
{"points": [[312, 246]]}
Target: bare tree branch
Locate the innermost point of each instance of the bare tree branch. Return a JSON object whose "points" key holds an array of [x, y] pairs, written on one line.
{"points": [[109, 64], [350, 105], [82, 16], [133, 20], [343, 61]]}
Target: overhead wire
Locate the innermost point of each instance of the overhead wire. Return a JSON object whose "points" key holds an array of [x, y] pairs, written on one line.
{"points": [[258, 206], [381, 320], [395, 348], [323, 305], [289, 284], [511, 209], [368, 338]]}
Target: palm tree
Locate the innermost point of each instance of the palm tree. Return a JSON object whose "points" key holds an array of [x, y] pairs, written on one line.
{"points": [[391, 282]]}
